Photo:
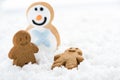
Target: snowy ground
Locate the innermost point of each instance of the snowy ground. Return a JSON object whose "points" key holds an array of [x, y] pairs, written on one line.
{"points": [[94, 27]]}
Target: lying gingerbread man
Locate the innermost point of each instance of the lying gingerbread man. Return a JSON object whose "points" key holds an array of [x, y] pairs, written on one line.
{"points": [[70, 58], [23, 50]]}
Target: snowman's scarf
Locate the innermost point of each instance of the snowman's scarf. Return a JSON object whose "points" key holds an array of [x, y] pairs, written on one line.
{"points": [[42, 37]]}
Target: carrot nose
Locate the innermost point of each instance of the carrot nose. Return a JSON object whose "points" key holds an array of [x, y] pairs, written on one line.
{"points": [[39, 17]]}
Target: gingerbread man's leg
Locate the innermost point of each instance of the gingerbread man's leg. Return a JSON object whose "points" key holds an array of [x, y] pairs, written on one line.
{"points": [[56, 57], [58, 63]]}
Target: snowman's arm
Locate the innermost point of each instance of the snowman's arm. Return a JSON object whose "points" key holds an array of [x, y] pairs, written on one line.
{"points": [[55, 32], [29, 27]]}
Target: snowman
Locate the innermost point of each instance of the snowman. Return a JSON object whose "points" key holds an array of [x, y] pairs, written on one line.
{"points": [[43, 33]]}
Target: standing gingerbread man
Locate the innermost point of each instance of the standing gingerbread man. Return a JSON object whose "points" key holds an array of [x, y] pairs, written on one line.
{"points": [[23, 50]]}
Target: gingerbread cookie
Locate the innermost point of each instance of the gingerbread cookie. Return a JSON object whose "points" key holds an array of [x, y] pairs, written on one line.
{"points": [[40, 15], [70, 58], [23, 50]]}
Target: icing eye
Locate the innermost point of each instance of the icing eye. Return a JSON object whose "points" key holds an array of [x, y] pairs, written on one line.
{"points": [[35, 9], [41, 9]]}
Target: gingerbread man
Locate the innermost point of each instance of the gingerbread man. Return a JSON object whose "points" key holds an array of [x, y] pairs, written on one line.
{"points": [[70, 58], [23, 50]]}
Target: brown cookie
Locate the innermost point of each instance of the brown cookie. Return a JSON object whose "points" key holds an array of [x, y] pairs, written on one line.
{"points": [[23, 50], [70, 58]]}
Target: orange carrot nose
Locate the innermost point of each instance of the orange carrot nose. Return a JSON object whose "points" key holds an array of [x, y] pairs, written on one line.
{"points": [[39, 17]]}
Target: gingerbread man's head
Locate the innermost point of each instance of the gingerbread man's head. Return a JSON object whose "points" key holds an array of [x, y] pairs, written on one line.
{"points": [[74, 50], [21, 38]]}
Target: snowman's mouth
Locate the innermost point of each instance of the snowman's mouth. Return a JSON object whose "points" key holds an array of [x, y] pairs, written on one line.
{"points": [[39, 24]]}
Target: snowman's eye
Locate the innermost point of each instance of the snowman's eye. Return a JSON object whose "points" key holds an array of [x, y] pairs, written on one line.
{"points": [[35, 9], [41, 9]]}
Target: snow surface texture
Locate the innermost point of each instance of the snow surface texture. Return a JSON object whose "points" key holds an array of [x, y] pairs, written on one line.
{"points": [[92, 26]]}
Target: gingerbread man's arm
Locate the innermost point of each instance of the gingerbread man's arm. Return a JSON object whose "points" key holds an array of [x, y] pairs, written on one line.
{"points": [[34, 48], [79, 59], [59, 62], [11, 54], [55, 32]]}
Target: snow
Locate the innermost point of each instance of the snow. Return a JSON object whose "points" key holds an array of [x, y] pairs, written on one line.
{"points": [[93, 26]]}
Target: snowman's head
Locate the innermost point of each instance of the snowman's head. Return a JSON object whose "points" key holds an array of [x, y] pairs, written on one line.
{"points": [[40, 14]]}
